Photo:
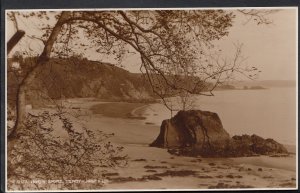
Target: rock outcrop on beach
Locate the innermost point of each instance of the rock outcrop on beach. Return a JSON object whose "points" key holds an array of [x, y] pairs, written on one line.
{"points": [[246, 145], [197, 132], [202, 129]]}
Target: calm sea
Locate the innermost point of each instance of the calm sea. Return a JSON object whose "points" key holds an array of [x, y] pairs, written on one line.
{"points": [[269, 113]]}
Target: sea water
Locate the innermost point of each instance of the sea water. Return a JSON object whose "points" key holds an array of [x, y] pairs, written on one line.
{"points": [[269, 113]]}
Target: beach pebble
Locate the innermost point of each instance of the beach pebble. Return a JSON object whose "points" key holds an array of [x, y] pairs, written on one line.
{"points": [[230, 176], [140, 160], [110, 174], [151, 171]]}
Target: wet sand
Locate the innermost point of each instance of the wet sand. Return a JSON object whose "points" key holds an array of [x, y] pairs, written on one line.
{"points": [[154, 168]]}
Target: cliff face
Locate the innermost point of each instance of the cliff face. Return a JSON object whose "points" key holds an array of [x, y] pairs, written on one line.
{"points": [[69, 78], [95, 79]]}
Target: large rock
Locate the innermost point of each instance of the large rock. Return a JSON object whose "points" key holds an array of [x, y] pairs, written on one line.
{"points": [[201, 130], [197, 132], [246, 145]]}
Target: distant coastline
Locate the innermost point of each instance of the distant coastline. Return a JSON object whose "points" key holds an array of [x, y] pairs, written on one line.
{"points": [[231, 87], [264, 83], [256, 84]]}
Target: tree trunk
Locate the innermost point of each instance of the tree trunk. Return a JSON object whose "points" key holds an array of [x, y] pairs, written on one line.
{"points": [[44, 57], [14, 40]]}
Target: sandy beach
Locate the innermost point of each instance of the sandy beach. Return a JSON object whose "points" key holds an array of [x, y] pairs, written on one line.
{"points": [[154, 168], [176, 95]]}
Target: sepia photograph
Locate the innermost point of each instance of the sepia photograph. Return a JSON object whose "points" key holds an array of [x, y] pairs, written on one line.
{"points": [[151, 99]]}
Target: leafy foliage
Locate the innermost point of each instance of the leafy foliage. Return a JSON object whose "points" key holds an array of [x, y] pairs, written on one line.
{"points": [[53, 146]]}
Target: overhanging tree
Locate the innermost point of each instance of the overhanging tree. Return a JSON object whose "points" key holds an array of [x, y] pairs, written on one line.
{"points": [[172, 46]]}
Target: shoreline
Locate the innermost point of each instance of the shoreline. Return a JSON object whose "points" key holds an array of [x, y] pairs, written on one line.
{"points": [[139, 111], [123, 110], [154, 168]]}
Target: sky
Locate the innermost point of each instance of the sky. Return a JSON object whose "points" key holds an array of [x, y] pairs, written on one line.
{"points": [[271, 48]]}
